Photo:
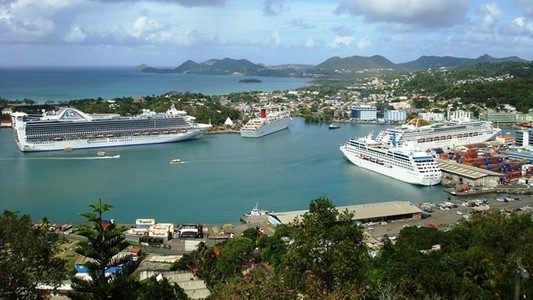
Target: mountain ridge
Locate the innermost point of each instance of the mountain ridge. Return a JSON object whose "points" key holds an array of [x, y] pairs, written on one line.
{"points": [[229, 66]]}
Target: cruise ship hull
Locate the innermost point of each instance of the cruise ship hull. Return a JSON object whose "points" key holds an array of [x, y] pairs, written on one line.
{"points": [[445, 137], [389, 170], [266, 129], [104, 142], [71, 129]]}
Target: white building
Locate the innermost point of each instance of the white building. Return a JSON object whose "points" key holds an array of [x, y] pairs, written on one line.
{"points": [[364, 113], [430, 116], [144, 223], [460, 115], [397, 116]]}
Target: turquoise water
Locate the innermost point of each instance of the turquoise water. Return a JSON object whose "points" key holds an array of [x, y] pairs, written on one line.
{"points": [[221, 177], [60, 84]]}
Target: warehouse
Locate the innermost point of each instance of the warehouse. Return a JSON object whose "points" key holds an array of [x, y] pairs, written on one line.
{"points": [[454, 173], [363, 213]]}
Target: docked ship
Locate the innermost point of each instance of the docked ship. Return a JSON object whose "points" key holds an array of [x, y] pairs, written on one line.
{"points": [[404, 162], [267, 123], [425, 135], [69, 129]]}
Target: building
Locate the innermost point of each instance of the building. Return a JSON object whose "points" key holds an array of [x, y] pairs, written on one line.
{"points": [[144, 223], [525, 118], [500, 117], [460, 115], [364, 113], [524, 137], [363, 213], [395, 116], [454, 173], [506, 139], [7, 111], [430, 116], [194, 287]]}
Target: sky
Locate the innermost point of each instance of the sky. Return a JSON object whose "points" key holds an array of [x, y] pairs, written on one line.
{"points": [[166, 33]]}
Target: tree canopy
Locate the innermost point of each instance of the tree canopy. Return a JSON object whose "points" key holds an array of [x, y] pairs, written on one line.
{"points": [[27, 257]]}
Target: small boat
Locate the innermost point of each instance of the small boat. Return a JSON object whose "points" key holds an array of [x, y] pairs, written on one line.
{"points": [[101, 153], [175, 161], [334, 126], [257, 212]]}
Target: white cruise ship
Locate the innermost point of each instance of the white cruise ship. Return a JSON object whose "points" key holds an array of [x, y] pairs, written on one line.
{"points": [[442, 135], [267, 123], [70, 129], [403, 163]]}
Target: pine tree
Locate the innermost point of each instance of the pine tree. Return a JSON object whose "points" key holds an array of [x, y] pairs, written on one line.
{"points": [[103, 244]]}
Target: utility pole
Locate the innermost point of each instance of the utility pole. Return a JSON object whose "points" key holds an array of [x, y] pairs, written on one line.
{"points": [[521, 274]]}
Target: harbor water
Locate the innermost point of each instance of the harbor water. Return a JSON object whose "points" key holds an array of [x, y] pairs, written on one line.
{"points": [[221, 177]]}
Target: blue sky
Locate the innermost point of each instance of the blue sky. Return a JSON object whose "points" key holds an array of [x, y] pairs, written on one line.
{"points": [[168, 32]]}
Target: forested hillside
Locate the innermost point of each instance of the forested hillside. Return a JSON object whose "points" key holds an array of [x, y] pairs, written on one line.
{"points": [[487, 83]]}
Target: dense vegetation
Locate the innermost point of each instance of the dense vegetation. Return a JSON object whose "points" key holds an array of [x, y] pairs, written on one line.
{"points": [[489, 85], [206, 109], [27, 257], [323, 255]]}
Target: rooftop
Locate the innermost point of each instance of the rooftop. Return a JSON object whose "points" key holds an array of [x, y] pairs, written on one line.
{"points": [[465, 170], [360, 212]]}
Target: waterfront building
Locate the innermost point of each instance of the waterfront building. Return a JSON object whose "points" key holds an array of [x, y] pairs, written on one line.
{"points": [[454, 173], [144, 224], [364, 113], [363, 213], [395, 116]]}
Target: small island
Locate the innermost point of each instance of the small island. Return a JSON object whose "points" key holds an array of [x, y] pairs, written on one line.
{"points": [[250, 80]]}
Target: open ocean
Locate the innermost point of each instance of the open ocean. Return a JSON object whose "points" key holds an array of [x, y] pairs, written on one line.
{"points": [[222, 176], [71, 83]]}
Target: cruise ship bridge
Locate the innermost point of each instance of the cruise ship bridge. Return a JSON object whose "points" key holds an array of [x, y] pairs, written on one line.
{"points": [[363, 213]]}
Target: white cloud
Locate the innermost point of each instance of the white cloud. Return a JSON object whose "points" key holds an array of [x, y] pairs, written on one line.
{"points": [[27, 21], [75, 35], [309, 43], [427, 13], [275, 38], [491, 14], [339, 41], [520, 26], [143, 25]]}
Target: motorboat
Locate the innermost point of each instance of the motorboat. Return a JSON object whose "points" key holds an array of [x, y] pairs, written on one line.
{"points": [[334, 126], [175, 161], [257, 212]]}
